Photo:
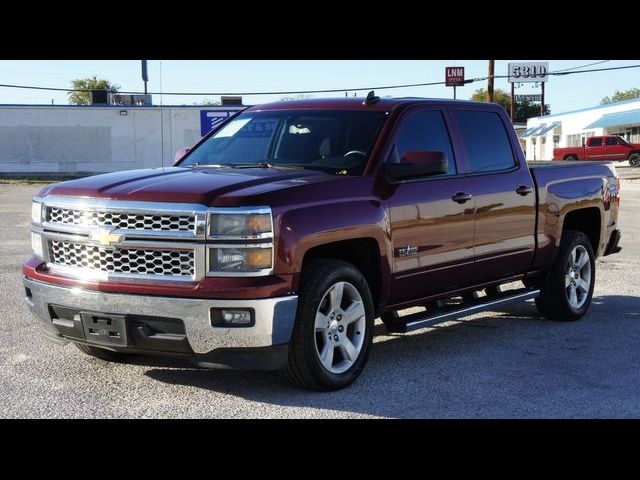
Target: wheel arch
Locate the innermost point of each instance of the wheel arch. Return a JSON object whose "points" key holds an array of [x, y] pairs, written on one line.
{"points": [[586, 220], [362, 252]]}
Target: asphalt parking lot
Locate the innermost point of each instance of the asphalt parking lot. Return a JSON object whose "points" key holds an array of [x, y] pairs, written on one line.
{"points": [[504, 364]]}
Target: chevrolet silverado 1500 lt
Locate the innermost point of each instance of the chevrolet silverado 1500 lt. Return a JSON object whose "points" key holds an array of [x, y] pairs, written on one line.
{"points": [[276, 241], [610, 148]]}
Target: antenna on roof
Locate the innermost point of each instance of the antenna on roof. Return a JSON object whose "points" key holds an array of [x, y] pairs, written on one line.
{"points": [[371, 99]]}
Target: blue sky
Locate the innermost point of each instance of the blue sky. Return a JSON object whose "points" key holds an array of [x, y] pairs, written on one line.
{"points": [[563, 93]]}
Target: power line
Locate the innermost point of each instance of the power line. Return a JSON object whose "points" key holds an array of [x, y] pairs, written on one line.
{"points": [[332, 90], [582, 66]]}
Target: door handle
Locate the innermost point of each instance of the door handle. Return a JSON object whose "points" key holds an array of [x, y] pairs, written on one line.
{"points": [[462, 197], [524, 190]]}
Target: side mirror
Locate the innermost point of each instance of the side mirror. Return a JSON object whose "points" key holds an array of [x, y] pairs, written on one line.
{"points": [[416, 164], [179, 154]]}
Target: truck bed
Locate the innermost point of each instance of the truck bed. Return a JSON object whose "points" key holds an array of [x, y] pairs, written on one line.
{"points": [[560, 187], [547, 173]]}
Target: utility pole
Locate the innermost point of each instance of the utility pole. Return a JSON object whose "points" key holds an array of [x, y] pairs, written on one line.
{"points": [[542, 101], [490, 81], [513, 99]]}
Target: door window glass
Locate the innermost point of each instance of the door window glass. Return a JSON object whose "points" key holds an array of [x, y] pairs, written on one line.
{"points": [[486, 140], [424, 131]]}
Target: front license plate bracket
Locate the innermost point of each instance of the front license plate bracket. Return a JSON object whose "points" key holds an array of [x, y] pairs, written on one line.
{"points": [[103, 328]]}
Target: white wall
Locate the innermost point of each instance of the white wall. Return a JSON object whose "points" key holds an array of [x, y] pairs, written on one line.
{"points": [[571, 123], [70, 139]]}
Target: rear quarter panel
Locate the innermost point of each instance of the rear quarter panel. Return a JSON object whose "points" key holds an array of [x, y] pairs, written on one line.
{"points": [[566, 188], [561, 153]]}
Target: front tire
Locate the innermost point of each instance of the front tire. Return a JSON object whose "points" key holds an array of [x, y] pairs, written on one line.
{"points": [[634, 160], [567, 289], [333, 333]]}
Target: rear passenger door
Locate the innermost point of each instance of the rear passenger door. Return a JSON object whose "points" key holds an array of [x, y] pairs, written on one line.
{"points": [[504, 194]]}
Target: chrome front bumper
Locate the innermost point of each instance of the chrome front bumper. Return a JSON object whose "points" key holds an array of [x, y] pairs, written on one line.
{"points": [[274, 317]]}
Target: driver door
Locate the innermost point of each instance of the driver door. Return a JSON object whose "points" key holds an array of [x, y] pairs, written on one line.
{"points": [[431, 218]]}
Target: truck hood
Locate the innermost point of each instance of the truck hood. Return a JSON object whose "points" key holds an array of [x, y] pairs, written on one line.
{"points": [[207, 186]]}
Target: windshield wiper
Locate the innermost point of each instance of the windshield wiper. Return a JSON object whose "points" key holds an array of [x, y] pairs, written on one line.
{"points": [[262, 164], [211, 165], [321, 168]]}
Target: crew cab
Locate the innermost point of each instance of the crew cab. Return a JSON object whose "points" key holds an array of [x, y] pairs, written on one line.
{"points": [[608, 147], [276, 241]]}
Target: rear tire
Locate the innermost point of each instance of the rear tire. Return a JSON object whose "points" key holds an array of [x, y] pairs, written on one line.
{"points": [[333, 333], [567, 288], [103, 353], [570, 158], [634, 160]]}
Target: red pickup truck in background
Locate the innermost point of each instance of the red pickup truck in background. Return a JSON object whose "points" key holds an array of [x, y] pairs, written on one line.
{"points": [[608, 147]]}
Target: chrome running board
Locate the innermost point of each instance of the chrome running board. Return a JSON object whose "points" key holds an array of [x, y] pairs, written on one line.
{"points": [[416, 321]]}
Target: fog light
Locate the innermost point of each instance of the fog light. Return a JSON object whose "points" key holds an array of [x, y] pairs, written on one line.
{"points": [[237, 317], [231, 317]]}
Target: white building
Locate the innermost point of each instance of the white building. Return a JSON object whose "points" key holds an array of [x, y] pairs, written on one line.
{"points": [[70, 139], [569, 129]]}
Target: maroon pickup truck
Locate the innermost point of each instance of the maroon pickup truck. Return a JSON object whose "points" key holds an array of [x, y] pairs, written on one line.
{"points": [[276, 241], [610, 147]]}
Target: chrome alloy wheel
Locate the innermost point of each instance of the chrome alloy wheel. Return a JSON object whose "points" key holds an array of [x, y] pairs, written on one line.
{"points": [[340, 327], [577, 278]]}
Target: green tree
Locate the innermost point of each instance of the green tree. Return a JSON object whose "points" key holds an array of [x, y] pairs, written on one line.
{"points": [[499, 96], [619, 96], [91, 83], [523, 109]]}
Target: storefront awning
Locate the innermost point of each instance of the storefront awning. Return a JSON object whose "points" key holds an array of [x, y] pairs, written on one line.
{"points": [[538, 130], [549, 127], [531, 131], [632, 117]]}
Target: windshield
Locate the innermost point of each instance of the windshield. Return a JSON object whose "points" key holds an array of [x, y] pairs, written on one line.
{"points": [[334, 141]]}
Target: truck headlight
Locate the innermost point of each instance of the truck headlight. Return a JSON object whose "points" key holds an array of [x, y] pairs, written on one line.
{"points": [[241, 225], [245, 259], [227, 256], [36, 213], [36, 245]]}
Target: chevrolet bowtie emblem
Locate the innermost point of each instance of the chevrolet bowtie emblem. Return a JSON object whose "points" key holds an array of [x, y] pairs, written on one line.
{"points": [[105, 238]]}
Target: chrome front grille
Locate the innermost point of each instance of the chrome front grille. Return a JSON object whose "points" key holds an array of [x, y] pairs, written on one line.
{"points": [[122, 221], [137, 261], [103, 239]]}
